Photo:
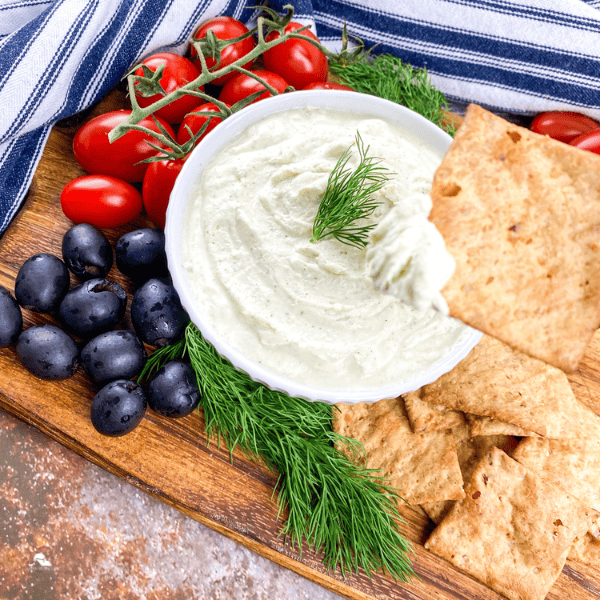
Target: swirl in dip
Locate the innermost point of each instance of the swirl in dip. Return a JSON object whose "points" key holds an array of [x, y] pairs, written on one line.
{"points": [[310, 311]]}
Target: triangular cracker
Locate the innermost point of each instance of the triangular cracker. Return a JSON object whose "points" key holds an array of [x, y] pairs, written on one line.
{"points": [[423, 467], [497, 381], [429, 417], [512, 531], [469, 450], [520, 214], [479, 425], [573, 464]]}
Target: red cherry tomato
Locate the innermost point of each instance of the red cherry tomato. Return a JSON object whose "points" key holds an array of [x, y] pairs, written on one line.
{"points": [[156, 189], [561, 125], [243, 85], [588, 141], [101, 201], [120, 159], [327, 85], [195, 121], [297, 61], [178, 72], [225, 28]]}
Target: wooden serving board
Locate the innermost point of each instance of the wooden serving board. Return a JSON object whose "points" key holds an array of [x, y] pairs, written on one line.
{"points": [[171, 459]]}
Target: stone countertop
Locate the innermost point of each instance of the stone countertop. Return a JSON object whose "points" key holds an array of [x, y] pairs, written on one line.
{"points": [[71, 531]]}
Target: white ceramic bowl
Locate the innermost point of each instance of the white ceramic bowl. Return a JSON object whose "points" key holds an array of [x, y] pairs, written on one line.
{"points": [[217, 139]]}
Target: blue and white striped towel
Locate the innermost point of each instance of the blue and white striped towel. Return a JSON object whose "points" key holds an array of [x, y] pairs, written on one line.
{"points": [[58, 57]]}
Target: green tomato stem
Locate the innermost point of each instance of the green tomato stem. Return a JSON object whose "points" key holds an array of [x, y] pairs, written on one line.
{"points": [[139, 113]]}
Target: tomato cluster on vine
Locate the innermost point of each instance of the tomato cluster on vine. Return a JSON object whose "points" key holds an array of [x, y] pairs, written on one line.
{"points": [[138, 170]]}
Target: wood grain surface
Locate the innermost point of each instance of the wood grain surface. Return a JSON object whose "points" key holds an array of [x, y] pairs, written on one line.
{"points": [[172, 460]]}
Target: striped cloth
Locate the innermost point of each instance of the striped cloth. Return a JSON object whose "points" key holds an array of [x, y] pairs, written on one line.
{"points": [[58, 57]]}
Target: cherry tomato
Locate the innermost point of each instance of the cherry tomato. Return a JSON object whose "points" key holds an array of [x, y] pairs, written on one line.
{"points": [[243, 85], [100, 200], [588, 141], [156, 189], [327, 85], [562, 126], [297, 61], [120, 159], [225, 28], [195, 121], [178, 72]]}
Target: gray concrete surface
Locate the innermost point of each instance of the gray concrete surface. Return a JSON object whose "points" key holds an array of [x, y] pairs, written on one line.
{"points": [[71, 531]]}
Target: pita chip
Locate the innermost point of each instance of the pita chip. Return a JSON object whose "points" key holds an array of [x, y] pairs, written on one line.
{"points": [[520, 214], [483, 426], [512, 531], [470, 450], [496, 381], [422, 467], [430, 417], [573, 464], [586, 549]]}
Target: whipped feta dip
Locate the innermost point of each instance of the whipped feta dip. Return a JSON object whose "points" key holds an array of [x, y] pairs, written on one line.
{"points": [[310, 311]]}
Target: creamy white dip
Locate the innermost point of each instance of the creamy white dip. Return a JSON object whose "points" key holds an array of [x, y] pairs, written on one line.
{"points": [[310, 311]]}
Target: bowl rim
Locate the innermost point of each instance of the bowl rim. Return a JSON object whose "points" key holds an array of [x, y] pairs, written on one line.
{"points": [[202, 155]]}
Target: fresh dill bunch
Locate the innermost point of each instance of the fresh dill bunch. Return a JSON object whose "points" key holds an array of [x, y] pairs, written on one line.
{"points": [[340, 509], [388, 77], [348, 198]]}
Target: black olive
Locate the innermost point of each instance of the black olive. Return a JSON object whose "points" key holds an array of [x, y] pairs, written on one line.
{"points": [[87, 252], [48, 352], [41, 283], [113, 355], [11, 318], [118, 407], [93, 307], [156, 313], [173, 391], [141, 254]]}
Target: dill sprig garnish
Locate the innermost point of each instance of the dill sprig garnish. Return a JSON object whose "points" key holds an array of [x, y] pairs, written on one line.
{"points": [[338, 508], [348, 198], [388, 77]]}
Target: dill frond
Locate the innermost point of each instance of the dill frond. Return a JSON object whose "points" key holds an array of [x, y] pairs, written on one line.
{"points": [[389, 77], [340, 509], [348, 198]]}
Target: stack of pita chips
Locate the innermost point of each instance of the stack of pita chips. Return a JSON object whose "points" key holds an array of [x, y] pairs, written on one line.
{"points": [[517, 455], [509, 509]]}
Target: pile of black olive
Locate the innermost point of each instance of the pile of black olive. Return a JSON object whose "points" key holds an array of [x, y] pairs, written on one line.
{"points": [[90, 314]]}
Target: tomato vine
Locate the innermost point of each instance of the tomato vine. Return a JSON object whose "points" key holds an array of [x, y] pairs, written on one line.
{"points": [[149, 82]]}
